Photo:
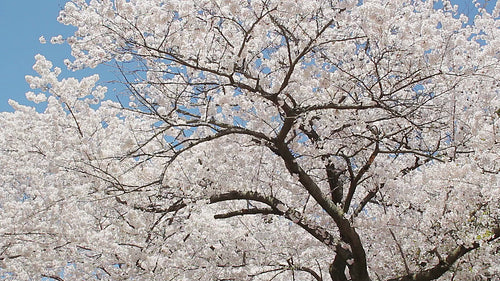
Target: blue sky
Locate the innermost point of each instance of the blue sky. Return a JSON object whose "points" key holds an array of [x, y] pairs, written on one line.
{"points": [[22, 22]]}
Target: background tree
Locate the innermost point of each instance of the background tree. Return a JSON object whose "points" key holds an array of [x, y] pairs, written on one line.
{"points": [[259, 140]]}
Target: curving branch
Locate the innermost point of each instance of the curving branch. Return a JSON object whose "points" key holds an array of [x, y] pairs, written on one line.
{"points": [[308, 270], [445, 264], [157, 209], [10, 257], [365, 201], [357, 178], [347, 232], [254, 211], [55, 277], [277, 208]]}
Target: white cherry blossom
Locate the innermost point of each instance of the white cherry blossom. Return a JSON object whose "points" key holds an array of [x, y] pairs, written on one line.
{"points": [[258, 140]]}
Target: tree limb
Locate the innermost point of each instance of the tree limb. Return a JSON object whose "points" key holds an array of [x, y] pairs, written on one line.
{"points": [[347, 232], [242, 212], [445, 264], [278, 208]]}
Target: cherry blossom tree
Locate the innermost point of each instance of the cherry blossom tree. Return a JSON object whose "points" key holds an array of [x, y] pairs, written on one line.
{"points": [[259, 140]]}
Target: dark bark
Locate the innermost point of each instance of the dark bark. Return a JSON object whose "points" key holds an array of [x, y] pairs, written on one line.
{"points": [[445, 264], [334, 182], [339, 264], [317, 231], [358, 270]]}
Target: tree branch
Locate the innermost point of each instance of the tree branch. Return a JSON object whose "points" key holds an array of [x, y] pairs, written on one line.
{"points": [[347, 232], [365, 201], [242, 212], [53, 277], [357, 178], [277, 208], [308, 270], [445, 264]]}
